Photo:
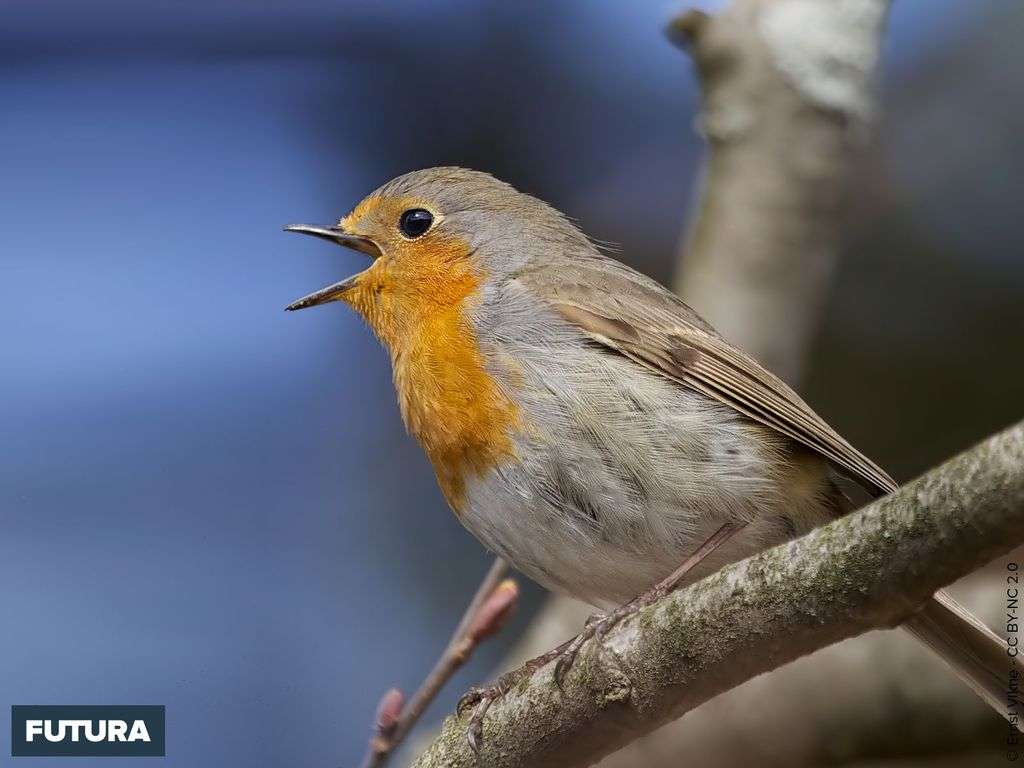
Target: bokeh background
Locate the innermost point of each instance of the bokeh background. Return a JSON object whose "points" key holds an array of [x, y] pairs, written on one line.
{"points": [[212, 505]]}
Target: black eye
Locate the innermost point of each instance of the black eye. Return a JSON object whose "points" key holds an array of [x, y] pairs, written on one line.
{"points": [[415, 222]]}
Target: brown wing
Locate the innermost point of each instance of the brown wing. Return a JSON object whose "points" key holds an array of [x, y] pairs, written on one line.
{"points": [[640, 319]]}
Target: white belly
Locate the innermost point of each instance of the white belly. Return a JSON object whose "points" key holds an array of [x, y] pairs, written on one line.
{"points": [[620, 474]]}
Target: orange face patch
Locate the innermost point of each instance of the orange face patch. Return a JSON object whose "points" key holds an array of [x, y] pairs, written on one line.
{"points": [[360, 212], [414, 298]]}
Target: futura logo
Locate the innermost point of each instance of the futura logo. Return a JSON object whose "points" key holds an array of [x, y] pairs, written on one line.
{"points": [[87, 731]]}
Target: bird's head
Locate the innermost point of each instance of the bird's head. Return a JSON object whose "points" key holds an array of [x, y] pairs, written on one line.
{"points": [[436, 237]]}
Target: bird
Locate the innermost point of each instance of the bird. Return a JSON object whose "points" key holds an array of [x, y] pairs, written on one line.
{"points": [[586, 424]]}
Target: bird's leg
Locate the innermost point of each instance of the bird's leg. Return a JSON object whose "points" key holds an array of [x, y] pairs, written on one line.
{"points": [[675, 579], [598, 625]]}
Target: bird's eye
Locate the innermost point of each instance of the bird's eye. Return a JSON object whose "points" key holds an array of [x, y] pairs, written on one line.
{"points": [[415, 222]]}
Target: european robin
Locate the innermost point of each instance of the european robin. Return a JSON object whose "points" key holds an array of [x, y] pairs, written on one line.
{"points": [[582, 421]]}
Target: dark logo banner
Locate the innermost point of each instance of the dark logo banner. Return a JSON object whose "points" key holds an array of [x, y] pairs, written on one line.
{"points": [[76, 730]]}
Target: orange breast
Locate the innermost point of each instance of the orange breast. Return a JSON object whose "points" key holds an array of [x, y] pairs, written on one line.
{"points": [[452, 405], [417, 307]]}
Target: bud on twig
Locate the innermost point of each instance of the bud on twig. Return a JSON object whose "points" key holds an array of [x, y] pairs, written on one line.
{"points": [[388, 712], [494, 612]]}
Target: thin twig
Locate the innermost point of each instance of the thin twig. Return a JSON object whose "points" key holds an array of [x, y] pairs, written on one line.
{"points": [[490, 582], [493, 601]]}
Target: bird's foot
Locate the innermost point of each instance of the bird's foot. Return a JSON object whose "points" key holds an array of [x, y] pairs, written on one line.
{"points": [[480, 699], [597, 626]]}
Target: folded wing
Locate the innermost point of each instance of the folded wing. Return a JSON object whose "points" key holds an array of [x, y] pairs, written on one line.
{"points": [[636, 317]]}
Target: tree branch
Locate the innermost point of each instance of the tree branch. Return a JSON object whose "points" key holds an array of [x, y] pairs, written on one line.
{"points": [[886, 697], [869, 570], [871, 698]]}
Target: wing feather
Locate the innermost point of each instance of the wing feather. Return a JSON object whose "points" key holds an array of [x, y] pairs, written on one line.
{"points": [[638, 318]]}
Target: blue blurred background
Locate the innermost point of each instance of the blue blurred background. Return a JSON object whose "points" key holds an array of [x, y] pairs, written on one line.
{"points": [[212, 505]]}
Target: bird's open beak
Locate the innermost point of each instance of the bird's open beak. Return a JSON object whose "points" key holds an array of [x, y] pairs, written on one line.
{"points": [[341, 237]]}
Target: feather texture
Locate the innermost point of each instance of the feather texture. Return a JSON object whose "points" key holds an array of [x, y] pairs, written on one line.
{"points": [[652, 327]]}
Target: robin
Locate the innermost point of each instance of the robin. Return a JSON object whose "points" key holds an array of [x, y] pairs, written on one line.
{"points": [[582, 421]]}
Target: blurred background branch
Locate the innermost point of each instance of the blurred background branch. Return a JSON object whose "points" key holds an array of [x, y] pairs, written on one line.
{"points": [[788, 105]]}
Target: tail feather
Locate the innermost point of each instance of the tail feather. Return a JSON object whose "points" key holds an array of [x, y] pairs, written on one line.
{"points": [[974, 651]]}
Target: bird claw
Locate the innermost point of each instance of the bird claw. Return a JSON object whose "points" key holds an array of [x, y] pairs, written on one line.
{"points": [[469, 699], [475, 728], [477, 694], [597, 626], [481, 699]]}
